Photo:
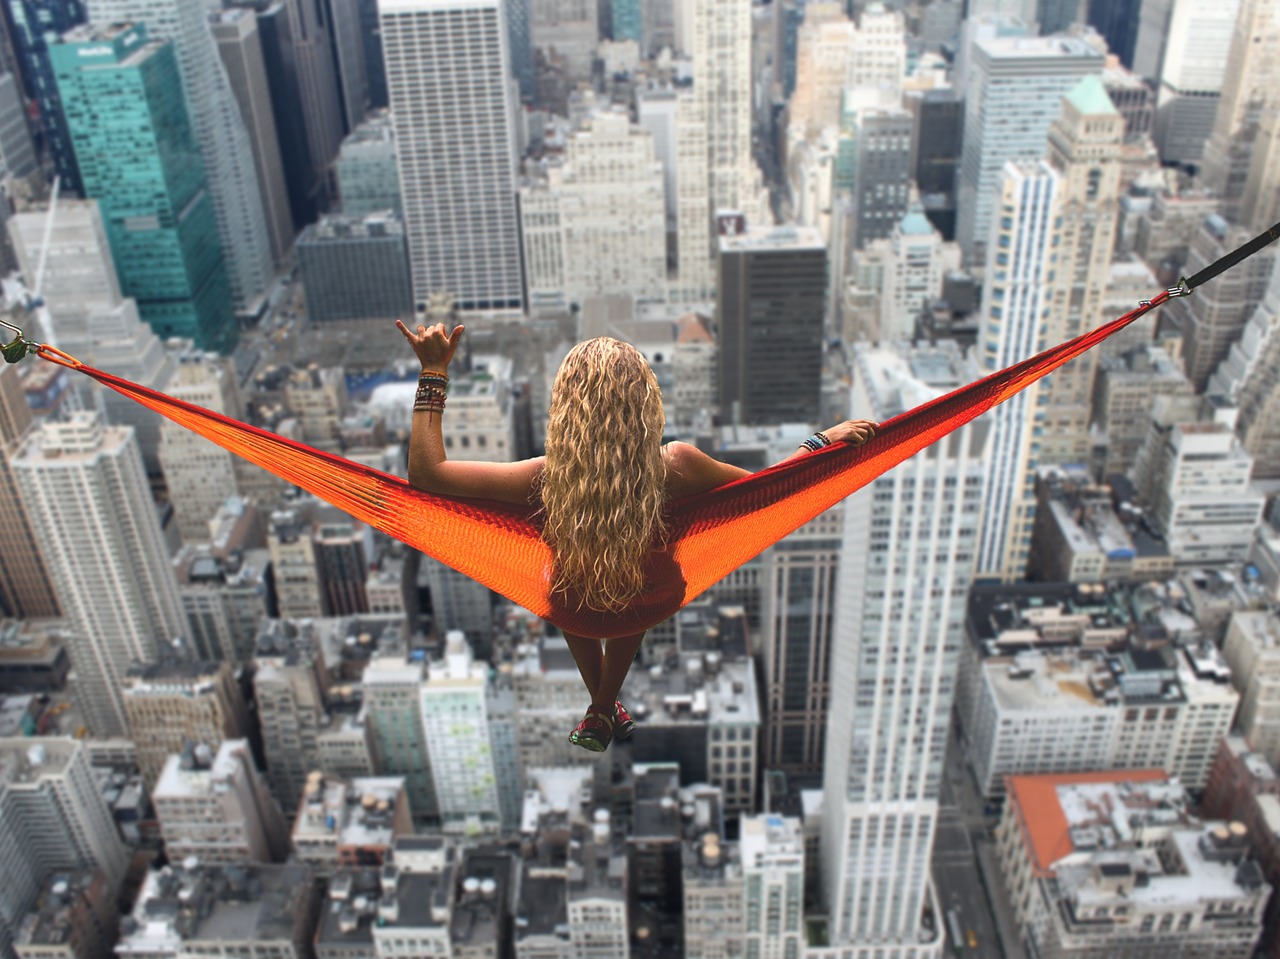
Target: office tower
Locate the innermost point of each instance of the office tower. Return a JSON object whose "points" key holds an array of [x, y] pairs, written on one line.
{"points": [[1014, 94], [824, 48], [355, 267], [393, 699], [772, 851], [460, 208], [879, 51], [368, 179], [222, 140], [456, 720], [172, 704], [796, 617], [1084, 149], [907, 558], [628, 20], [344, 554], [596, 223], [722, 89], [344, 823], [26, 589], [771, 279], [1065, 861], [882, 182], [1117, 21], [224, 597], [90, 504], [570, 28], [1260, 203], [1020, 294], [694, 269], [1196, 482], [352, 73], [215, 805], [1248, 376], [303, 183], [1214, 321], [171, 264], [52, 817], [1246, 89], [935, 152], [198, 475], [1192, 71], [17, 151], [34, 22], [240, 47], [1124, 391], [517, 14]]}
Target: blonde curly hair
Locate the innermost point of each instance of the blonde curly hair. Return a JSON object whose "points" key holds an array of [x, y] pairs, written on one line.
{"points": [[603, 482]]}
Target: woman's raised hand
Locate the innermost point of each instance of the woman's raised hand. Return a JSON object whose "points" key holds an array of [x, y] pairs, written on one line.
{"points": [[851, 431], [433, 346]]}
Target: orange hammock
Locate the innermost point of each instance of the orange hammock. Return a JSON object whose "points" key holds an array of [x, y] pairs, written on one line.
{"points": [[711, 534]]}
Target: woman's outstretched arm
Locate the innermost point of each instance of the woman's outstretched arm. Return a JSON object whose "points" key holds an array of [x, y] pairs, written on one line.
{"points": [[691, 471], [429, 469]]}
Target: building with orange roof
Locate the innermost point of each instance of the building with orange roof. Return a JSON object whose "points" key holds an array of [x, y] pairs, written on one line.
{"points": [[1112, 863]]}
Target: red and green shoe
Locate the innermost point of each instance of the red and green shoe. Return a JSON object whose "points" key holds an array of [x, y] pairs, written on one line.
{"points": [[595, 732], [623, 724]]}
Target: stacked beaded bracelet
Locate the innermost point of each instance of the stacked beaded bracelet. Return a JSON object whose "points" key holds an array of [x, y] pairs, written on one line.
{"points": [[815, 442], [432, 387]]}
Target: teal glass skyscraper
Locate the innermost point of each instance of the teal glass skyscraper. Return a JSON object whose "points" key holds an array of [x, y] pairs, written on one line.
{"points": [[138, 158]]}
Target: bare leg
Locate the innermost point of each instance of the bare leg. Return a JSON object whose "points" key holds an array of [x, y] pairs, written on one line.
{"points": [[590, 659], [619, 653]]}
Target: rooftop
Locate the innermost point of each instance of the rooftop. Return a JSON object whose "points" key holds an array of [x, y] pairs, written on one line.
{"points": [[1055, 811], [1090, 97], [361, 813], [773, 239]]}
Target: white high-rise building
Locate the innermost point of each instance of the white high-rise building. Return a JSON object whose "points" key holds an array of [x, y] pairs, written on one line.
{"points": [[879, 59], [456, 723], [199, 475], [824, 53], [448, 78], [910, 541], [1019, 298], [723, 87], [772, 853], [596, 224], [52, 816], [1246, 90], [220, 131], [1193, 68], [1015, 90], [91, 507]]}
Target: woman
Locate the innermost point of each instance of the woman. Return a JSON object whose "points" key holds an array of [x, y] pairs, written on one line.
{"points": [[599, 490]]}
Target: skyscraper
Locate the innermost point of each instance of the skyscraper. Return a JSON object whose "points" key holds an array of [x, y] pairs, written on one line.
{"points": [[393, 698], [1249, 84], [448, 71], [123, 99], [906, 562], [1084, 148], [770, 307], [304, 184], [52, 816], [223, 142], [90, 505], [1015, 91], [1193, 69], [1020, 297], [456, 720], [240, 47], [25, 588], [17, 151], [722, 87], [34, 21], [348, 53]]}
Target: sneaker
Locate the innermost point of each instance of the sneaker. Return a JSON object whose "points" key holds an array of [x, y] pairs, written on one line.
{"points": [[595, 731], [623, 724]]}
